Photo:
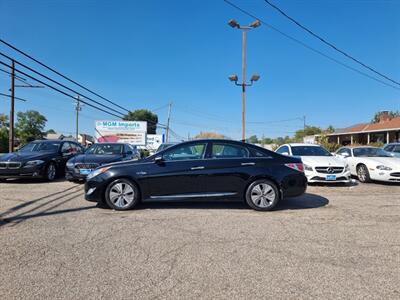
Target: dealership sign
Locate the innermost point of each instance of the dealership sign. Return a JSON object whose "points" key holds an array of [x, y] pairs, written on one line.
{"points": [[154, 141], [131, 132]]}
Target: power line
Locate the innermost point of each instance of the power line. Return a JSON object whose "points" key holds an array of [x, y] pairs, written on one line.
{"points": [[330, 44], [60, 91], [58, 83], [309, 47], [16, 77], [17, 98], [63, 76]]}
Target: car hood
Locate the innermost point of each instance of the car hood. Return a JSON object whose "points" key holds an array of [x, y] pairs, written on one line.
{"points": [[96, 158], [392, 162], [322, 161], [26, 156]]}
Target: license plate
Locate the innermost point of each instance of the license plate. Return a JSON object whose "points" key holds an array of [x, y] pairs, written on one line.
{"points": [[330, 177], [85, 171]]}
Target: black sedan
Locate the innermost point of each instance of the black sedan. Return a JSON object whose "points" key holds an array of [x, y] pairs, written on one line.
{"points": [[78, 167], [200, 169], [38, 159]]}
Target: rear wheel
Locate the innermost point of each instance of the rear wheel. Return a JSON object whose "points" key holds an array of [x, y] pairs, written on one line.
{"points": [[122, 194], [262, 195], [363, 174]]}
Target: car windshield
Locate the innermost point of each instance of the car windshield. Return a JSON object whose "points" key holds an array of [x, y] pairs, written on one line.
{"points": [[370, 152], [37, 147], [309, 151], [105, 149]]}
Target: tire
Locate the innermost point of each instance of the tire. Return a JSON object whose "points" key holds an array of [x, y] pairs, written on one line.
{"points": [[262, 195], [122, 194], [363, 174], [50, 172]]}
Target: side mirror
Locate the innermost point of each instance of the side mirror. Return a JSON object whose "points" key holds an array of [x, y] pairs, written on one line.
{"points": [[159, 160]]}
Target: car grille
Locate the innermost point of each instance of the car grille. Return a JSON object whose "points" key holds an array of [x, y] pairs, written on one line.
{"points": [[396, 174], [10, 165], [90, 166], [329, 170]]}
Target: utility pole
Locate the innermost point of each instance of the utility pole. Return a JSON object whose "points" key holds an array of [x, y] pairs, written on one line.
{"points": [[11, 126], [78, 108], [234, 78], [168, 119]]}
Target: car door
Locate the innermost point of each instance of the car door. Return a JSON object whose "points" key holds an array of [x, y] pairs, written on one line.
{"points": [[178, 172], [66, 152], [228, 168]]}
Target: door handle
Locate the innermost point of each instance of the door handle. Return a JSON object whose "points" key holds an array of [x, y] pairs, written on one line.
{"points": [[248, 164], [197, 168]]}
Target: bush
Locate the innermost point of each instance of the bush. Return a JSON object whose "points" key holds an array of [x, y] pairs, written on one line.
{"points": [[144, 153]]}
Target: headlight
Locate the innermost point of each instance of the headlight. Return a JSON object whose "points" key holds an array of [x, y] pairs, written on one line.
{"points": [[347, 168], [308, 168], [70, 164], [33, 163], [97, 172], [384, 168]]}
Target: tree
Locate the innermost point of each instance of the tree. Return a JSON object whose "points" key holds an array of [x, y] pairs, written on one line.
{"points": [[51, 131], [253, 139], [309, 130], [30, 125], [3, 133], [209, 135], [392, 114], [330, 129], [3, 120], [144, 115]]}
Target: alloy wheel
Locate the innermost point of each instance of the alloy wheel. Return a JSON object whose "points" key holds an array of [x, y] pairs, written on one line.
{"points": [[362, 173], [121, 195], [263, 195], [51, 171]]}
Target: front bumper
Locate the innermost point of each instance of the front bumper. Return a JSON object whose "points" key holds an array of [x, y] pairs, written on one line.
{"points": [[386, 176], [316, 177], [73, 174], [23, 172]]}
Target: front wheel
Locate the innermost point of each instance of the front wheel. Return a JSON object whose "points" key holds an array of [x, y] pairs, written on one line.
{"points": [[262, 195], [51, 172], [122, 194], [363, 174]]}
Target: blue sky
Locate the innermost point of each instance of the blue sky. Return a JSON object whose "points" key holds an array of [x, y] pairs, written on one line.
{"points": [[144, 54]]}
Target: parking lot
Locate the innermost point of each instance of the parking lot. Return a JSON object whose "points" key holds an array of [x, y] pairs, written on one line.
{"points": [[339, 242]]}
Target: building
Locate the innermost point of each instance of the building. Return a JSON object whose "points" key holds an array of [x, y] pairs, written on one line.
{"points": [[83, 139], [386, 130]]}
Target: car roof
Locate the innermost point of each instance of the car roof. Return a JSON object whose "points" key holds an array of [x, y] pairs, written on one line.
{"points": [[110, 144], [49, 141], [362, 146], [303, 144]]}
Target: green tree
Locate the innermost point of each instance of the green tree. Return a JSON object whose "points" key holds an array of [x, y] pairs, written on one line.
{"points": [[3, 139], [50, 131], [253, 139], [209, 135], [330, 129], [3, 120], [309, 130], [392, 114], [30, 125], [144, 115]]}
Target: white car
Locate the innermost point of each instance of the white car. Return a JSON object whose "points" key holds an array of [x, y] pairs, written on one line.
{"points": [[319, 164], [371, 163]]}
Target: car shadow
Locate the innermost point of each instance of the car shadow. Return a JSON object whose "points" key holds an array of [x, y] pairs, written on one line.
{"points": [[305, 201], [32, 181]]}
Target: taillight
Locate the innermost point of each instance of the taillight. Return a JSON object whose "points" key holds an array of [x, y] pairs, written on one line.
{"points": [[296, 166]]}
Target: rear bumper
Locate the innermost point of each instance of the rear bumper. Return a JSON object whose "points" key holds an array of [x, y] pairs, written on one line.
{"points": [[294, 185]]}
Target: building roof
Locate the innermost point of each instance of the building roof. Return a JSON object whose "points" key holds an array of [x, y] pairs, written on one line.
{"points": [[388, 125]]}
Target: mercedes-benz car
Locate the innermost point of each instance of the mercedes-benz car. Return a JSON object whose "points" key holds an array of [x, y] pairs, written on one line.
{"points": [[39, 159], [371, 163], [200, 169], [319, 165], [78, 167]]}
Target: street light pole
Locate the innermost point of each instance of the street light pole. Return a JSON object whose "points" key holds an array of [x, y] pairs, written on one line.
{"points": [[234, 78], [11, 125]]}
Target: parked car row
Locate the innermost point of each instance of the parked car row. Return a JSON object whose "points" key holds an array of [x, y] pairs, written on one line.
{"points": [[48, 159], [364, 162]]}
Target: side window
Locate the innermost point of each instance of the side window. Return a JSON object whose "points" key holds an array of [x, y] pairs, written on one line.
{"points": [[344, 150], [220, 150], [283, 149], [75, 148], [396, 149], [257, 153], [66, 148], [389, 148], [186, 152]]}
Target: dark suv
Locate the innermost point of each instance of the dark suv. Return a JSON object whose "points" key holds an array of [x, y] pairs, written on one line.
{"points": [[39, 159]]}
